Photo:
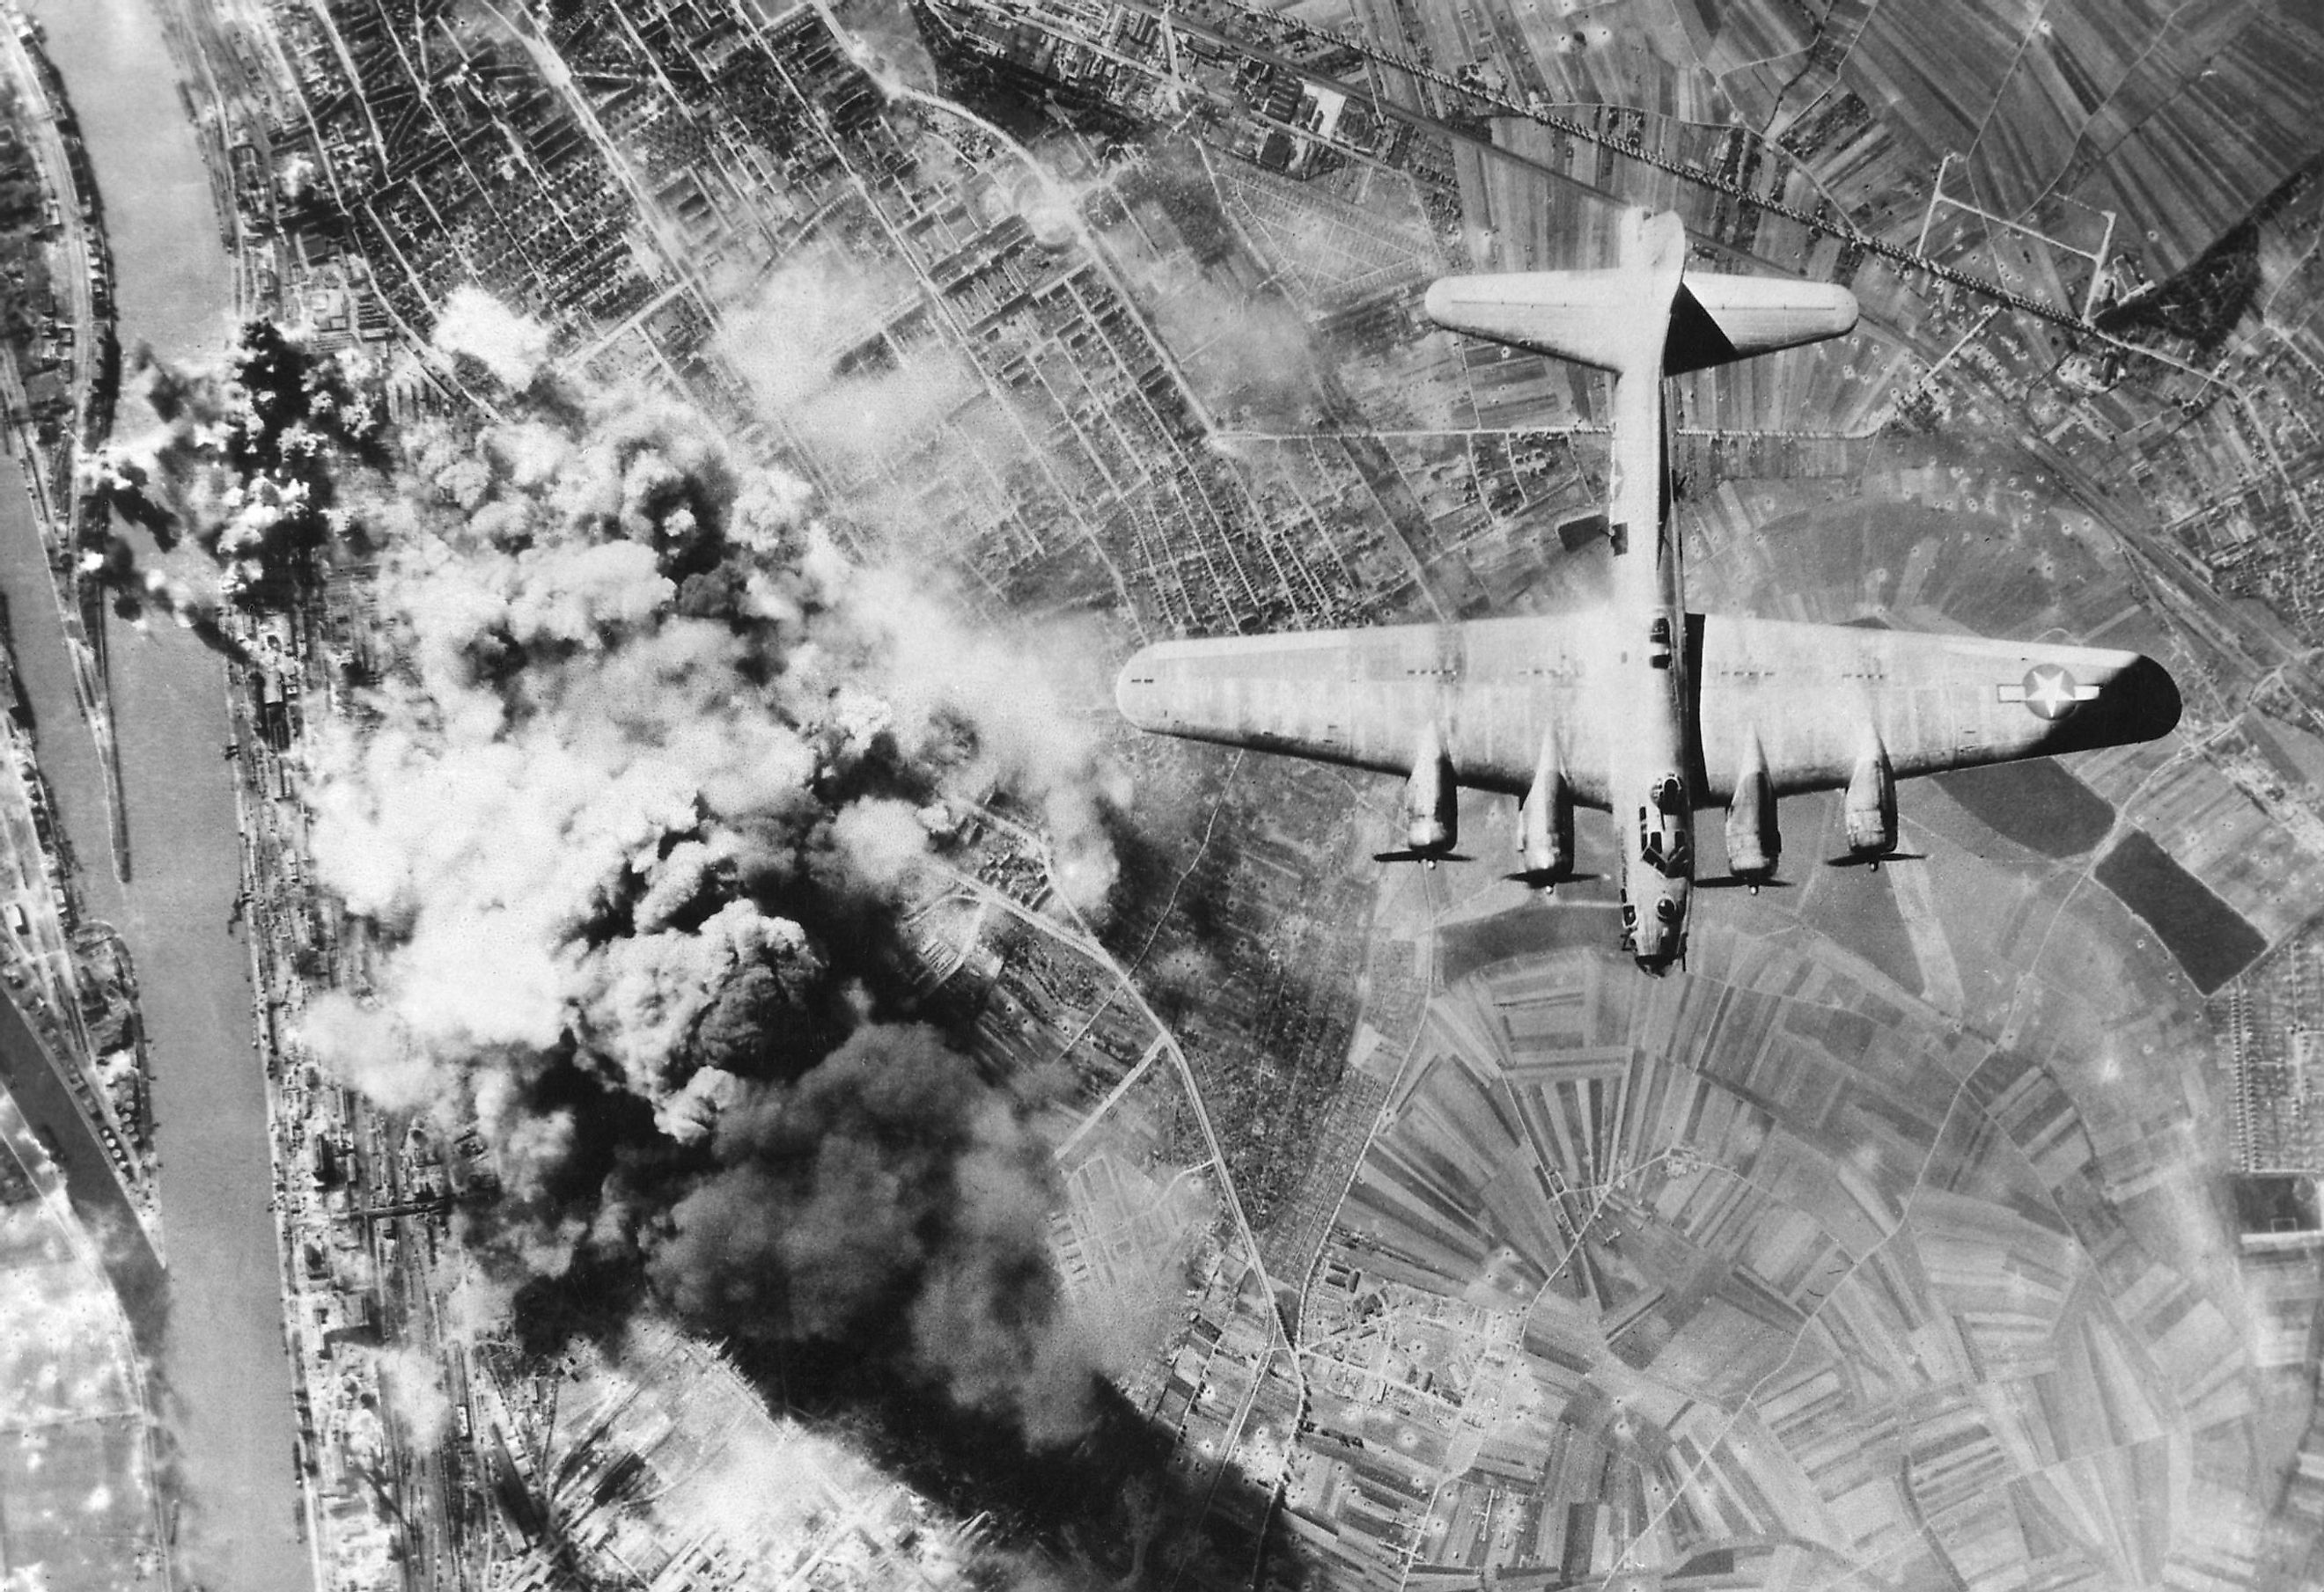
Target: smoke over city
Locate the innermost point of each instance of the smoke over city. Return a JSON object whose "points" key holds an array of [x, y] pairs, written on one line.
{"points": [[245, 470], [884, 40], [628, 820]]}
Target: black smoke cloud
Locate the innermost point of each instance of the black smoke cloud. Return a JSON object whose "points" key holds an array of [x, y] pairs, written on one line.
{"points": [[245, 465], [891, 1192], [629, 816]]}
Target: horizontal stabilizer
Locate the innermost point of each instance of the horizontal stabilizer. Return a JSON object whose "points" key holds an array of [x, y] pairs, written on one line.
{"points": [[1626, 317], [1592, 317]]}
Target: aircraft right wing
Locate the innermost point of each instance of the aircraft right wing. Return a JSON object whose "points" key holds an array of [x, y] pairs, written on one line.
{"points": [[1815, 695]]}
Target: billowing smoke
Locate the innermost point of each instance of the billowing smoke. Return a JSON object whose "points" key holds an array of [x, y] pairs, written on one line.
{"points": [[1248, 350], [634, 816], [812, 343], [513, 347], [631, 818], [413, 1383], [882, 37], [892, 1187], [244, 464]]}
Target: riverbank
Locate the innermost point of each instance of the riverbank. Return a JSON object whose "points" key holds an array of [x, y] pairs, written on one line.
{"points": [[230, 1409]]}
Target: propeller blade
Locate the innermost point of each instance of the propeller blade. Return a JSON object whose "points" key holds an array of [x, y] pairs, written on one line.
{"points": [[1522, 878], [1875, 861], [1411, 856], [1731, 882]]}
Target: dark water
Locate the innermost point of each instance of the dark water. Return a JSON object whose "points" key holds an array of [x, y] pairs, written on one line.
{"points": [[2204, 933], [222, 1361]]}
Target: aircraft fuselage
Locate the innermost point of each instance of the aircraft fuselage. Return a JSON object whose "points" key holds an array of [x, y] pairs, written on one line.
{"points": [[1646, 727]]}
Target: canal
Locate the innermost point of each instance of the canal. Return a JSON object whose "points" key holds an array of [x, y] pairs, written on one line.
{"points": [[224, 1366]]}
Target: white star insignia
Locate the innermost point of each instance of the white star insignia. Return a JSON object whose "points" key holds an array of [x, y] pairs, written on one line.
{"points": [[2048, 692]]}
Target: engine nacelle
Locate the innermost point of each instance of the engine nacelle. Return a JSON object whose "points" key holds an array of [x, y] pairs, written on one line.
{"points": [[1755, 842], [1432, 801], [1545, 822], [1871, 810]]}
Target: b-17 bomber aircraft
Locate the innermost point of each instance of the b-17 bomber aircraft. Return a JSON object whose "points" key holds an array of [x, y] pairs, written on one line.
{"points": [[1638, 706]]}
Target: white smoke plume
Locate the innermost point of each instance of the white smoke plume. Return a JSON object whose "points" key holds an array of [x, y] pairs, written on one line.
{"points": [[1242, 349], [882, 37], [413, 1383], [512, 347], [367, 1049], [811, 344]]}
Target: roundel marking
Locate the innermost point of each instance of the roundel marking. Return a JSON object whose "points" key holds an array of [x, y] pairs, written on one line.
{"points": [[2050, 692]]}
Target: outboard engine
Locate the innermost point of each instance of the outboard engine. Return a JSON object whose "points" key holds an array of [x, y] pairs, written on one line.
{"points": [[1754, 841], [1871, 810], [1545, 822]]}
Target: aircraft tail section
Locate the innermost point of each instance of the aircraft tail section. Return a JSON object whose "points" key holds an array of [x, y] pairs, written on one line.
{"points": [[1644, 312]]}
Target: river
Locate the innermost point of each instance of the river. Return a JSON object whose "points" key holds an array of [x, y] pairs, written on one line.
{"points": [[224, 1363]]}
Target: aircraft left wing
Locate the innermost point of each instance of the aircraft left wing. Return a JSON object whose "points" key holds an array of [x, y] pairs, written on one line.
{"points": [[1494, 689], [1816, 696]]}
